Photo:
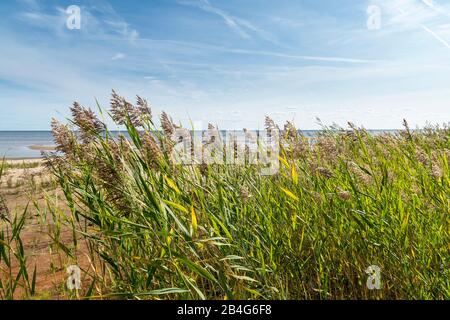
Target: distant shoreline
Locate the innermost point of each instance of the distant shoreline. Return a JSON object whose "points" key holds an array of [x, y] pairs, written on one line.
{"points": [[42, 148], [31, 158], [24, 145]]}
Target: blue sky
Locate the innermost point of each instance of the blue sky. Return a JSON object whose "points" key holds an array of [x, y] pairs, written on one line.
{"points": [[229, 62]]}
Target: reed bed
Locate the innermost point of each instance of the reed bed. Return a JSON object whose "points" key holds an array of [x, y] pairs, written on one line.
{"points": [[16, 275], [156, 229]]}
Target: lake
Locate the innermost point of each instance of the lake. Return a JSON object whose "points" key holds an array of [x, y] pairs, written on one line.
{"points": [[16, 144]]}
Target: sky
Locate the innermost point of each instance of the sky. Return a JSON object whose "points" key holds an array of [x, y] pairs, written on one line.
{"points": [[229, 62]]}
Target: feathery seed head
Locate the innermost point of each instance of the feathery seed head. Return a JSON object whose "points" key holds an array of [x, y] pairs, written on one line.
{"points": [[167, 124], [87, 122], [64, 138]]}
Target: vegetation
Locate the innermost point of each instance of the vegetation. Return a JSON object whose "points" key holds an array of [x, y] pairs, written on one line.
{"points": [[14, 269], [21, 165], [338, 204]]}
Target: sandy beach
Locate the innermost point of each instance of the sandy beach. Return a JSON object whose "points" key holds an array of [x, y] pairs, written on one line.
{"points": [[19, 161], [25, 184], [41, 148], [18, 173]]}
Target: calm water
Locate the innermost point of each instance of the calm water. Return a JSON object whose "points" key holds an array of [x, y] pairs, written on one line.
{"points": [[16, 144]]}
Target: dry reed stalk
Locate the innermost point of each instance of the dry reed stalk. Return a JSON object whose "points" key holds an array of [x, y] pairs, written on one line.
{"points": [[4, 210]]}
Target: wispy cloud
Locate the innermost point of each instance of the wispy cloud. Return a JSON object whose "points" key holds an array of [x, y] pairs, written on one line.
{"points": [[98, 20], [242, 27], [436, 36], [426, 15], [30, 3], [232, 22], [288, 22], [431, 4], [35, 17], [299, 57], [118, 56], [182, 45], [325, 62], [113, 20]]}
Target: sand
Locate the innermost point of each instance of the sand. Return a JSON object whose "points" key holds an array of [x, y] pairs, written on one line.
{"points": [[42, 148], [20, 172], [23, 186], [19, 161]]}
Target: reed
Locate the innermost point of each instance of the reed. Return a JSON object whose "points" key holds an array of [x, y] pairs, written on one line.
{"points": [[157, 229], [15, 276]]}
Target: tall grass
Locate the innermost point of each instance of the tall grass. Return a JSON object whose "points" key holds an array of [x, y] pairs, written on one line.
{"points": [[156, 229], [15, 277]]}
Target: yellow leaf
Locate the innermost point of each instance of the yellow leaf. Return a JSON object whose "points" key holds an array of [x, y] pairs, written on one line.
{"points": [[194, 220], [294, 175], [4, 243], [172, 184], [405, 221], [169, 237], [283, 161], [176, 205], [290, 194]]}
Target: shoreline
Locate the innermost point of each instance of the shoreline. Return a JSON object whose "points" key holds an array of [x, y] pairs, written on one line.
{"points": [[41, 148], [15, 160], [38, 147]]}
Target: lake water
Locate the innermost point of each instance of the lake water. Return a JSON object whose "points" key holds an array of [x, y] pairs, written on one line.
{"points": [[16, 144]]}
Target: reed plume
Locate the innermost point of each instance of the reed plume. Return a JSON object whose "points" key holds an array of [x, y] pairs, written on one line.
{"points": [[270, 126], [64, 138], [167, 125], [290, 131], [122, 110], [87, 122], [151, 150], [143, 109]]}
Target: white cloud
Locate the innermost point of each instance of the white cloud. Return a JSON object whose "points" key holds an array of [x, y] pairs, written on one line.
{"points": [[122, 28], [347, 82], [299, 57], [118, 56], [242, 27], [30, 3], [232, 22], [436, 36], [412, 20], [181, 45], [288, 22], [38, 19], [99, 21]]}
